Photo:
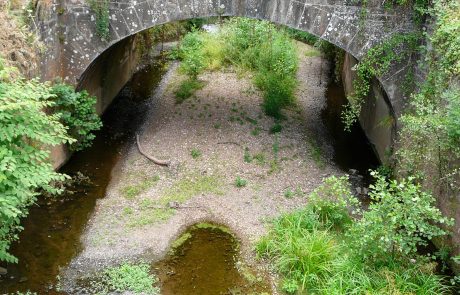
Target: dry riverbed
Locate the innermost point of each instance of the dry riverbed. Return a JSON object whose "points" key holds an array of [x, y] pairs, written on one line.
{"points": [[212, 139]]}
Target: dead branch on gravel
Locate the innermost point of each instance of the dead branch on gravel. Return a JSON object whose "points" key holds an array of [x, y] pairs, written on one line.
{"points": [[153, 159]]}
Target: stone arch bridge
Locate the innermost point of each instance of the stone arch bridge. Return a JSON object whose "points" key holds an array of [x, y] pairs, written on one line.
{"points": [[68, 29]]}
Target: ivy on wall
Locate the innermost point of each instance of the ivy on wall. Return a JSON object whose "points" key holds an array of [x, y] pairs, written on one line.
{"points": [[377, 61], [101, 9]]}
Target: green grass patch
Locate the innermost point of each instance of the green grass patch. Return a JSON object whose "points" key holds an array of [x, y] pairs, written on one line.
{"points": [[132, 191], [312, 53], [255, 131], [247, 156], [276, 128], [186, 89], [289, 194], [184, 189], [150, 216], [126, 278], [316, 153], [260, 159]]}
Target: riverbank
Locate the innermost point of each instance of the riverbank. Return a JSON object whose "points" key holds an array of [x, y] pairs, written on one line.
{"points": [[229, 166]]}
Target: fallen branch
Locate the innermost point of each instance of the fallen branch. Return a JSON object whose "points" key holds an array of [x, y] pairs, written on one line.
{"points": [[153, 159]]}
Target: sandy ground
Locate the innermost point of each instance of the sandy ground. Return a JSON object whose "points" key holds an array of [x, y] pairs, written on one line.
{"points": [[219, 122]]}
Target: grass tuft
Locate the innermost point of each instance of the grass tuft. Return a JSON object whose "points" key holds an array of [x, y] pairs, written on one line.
{"points": [[186, 89], [132, 191], [240, 182]]}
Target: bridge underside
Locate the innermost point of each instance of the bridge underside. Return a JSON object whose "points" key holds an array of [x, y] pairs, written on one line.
{"points": [[68, 28]]}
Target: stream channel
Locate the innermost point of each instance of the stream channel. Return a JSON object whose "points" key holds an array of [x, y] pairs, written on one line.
{"points": [[51, 235]]}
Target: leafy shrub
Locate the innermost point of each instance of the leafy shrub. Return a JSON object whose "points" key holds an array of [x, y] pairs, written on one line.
{"points": [[311, 250], [25, 129], [400, 218], [191, 54], [78, 113]]}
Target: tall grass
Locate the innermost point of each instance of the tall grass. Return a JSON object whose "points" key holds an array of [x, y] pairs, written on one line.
{"points": [[249, 45], [311, 251]]}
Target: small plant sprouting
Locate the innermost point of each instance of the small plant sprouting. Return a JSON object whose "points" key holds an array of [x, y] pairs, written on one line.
{"points": [[260, 159], [240, 182], [276, 128], [289, 194], [247, 156], [217, 126], [195, 153], [255, 131]]}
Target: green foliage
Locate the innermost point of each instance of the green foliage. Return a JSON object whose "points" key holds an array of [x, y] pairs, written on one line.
{"points": [[247, 156], [400, 219], [453, 116], [101, 9], [250, 45], [276, 128], [195, 153], [310, 248], [128, 277], [288, 194], [191, 54], [189, 187], [240, 182], [25, 131], [376, 63], [302, 36], [186, 89], [78, 114], [133, 190], [429, 138], [332, 201]]}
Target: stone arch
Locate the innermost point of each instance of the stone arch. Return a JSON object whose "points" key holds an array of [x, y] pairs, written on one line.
{"points": [[73, 43]]}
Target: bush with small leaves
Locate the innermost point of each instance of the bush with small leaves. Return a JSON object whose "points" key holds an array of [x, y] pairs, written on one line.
{"points": [[400, 219], [25, 130], [77, 111], [240, 182]]}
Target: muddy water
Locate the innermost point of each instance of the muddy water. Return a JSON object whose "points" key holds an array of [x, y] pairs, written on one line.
{"points": [[52, 230], [206, 263]]}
